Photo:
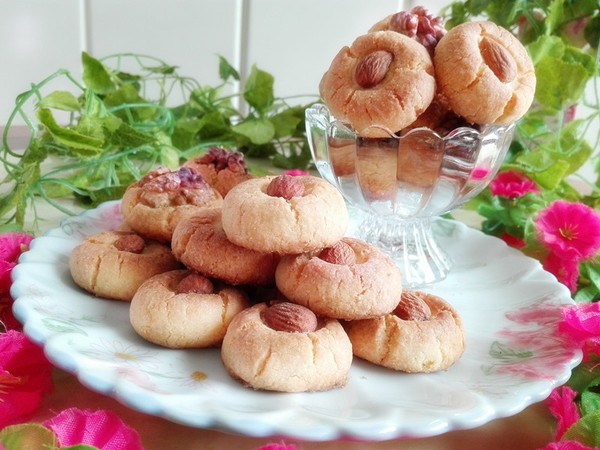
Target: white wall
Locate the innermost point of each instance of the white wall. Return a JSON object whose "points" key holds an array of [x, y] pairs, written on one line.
{"points": [[294, 40]]}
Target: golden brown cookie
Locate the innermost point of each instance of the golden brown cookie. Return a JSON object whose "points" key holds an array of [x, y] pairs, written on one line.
{"points": [[284, 214], [423, 334], [200, 243], [485, 73], [153, 205], [221, 168], [182, 309], [383, 79], [350, 280], [113, 264], [285, 347]]}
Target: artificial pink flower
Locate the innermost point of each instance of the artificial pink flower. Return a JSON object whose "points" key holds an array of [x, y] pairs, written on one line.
{"points": [[512, 241], [512, 184], [566, 270], [25, 377], [566, 445], [11, 247], [101, 429], [281, 446], [296, 173], [561, 405], [480, 173], [569, 230], [581, 322]]}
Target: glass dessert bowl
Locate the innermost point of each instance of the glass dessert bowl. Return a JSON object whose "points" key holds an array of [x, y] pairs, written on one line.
{"points": [[401, 184]]}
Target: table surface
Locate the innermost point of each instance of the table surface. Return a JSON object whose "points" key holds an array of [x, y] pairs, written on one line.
{"points": [[530, 429]]}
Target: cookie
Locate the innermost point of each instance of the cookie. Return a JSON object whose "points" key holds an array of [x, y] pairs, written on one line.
{"points": [[423, 334], [153, 205], [221, 168], [200, 243], [484, 73], [284, 214], [182, 309], [113, 264], [350, 280], [285, 347], [384, 79]]}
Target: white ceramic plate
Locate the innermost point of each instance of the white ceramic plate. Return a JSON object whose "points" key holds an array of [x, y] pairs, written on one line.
{"points": [[514, 357]]}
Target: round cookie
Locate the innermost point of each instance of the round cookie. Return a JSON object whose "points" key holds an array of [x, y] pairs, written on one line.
{"points": [[284, 214], [384, 79], [284, 347], [113, 264], [221, 168], [153, 205], [200, 243], [423, 334], [351, 280], [181, 309], [484, 73]]}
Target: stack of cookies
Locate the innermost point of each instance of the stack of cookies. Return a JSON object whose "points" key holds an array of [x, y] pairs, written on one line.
{"points": [[263, 271]]}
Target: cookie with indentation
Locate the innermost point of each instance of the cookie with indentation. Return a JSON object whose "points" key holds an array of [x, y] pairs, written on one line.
{"points": [[484, 73], [201, 244], [350, 280], [384, 79], [423, 334], [182, 309], [284, 214], [284, 347], [155, 204], [113, 264]]}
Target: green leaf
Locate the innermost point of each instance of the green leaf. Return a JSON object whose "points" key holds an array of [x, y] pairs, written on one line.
{"points": [[258, 90], [258, 131], [128, 95], [27, 435], [586, 431], [590, 402], [62, 100], [226, 70], [286, 122], [95, 76], [83, 146]]}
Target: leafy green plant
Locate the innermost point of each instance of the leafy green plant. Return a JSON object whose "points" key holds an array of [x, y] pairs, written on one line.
{"points": [[119, 125]]}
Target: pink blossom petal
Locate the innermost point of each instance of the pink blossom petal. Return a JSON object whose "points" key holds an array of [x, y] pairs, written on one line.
{"points": [[512, 184], [102, 429], [561, 405], [296, 172]]}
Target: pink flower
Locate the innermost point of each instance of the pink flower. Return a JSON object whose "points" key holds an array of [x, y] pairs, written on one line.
{"points": [[581, 322], [512, 184], [566, 270], [569, 230], [480, 173], [101, 429], [281, 446], [512, 241], [565, 445], [25, 377], [296, 173], [561, 405], [11, 247]]}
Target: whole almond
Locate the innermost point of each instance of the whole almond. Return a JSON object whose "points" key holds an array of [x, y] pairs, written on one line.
{"points": [[130, 243], [339, 253], [289, 317], [498, 59], [412, 307], [286, 186], [373, 68], [195, 283]]}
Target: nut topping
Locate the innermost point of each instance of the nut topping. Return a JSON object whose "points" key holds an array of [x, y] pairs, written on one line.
{"points": [[498, 59], [223, 159], [412, 307], [339, 253], [195, 283], [289, 317], [373, 68], [286, 186], [130, 243]]}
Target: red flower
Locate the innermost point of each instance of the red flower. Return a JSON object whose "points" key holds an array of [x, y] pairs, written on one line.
{"points": [[512, 184], [561, 405], [512, 241], [566, 270], [569, 230], [25, 376]]}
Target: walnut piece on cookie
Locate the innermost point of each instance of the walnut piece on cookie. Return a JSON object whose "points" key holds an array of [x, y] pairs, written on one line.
{"points": [[423, 334], [182, 309], [113, 264], [153, 205], [266, 348], [267, 222]]}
